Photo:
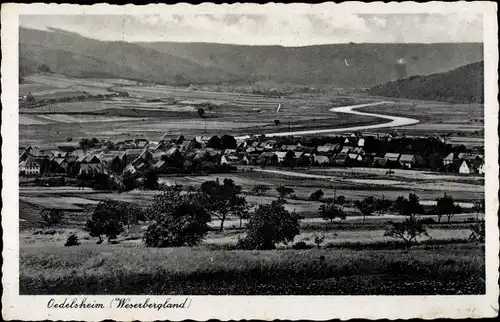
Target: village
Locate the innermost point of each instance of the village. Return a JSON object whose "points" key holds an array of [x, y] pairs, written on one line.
{"points": [[205, 154]]}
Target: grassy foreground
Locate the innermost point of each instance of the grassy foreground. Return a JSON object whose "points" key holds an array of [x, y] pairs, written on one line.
{"points": [[120, 269]]}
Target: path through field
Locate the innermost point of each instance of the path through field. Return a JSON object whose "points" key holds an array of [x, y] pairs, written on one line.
{"points": [[395, 121]]}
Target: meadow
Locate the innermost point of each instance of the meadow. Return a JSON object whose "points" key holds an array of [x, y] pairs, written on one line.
{"points": [[108, 269]]}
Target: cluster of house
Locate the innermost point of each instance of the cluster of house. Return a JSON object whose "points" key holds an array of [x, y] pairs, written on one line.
{"points": [[139, 154]]}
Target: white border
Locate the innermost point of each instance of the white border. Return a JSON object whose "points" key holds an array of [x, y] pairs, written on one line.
{"points": [[248, 307]]}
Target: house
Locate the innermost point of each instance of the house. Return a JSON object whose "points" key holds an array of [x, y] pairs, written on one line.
{"points": [[320, 160], [30, 167], [250, 149], [241, 145], [267, 157], [130, 168], [450, 158], [229, 159], [132, 154], [60, 164], [361, 142], [465, 167], [270, 145], [328, 148], [287, 147], [24, 155], [341, 159], [308, 150], [379, 162], [358, 150], [347, 149], [355, 157], [394, 157], [90, 163], [298, 154], [229, 151], [408, 160], [249, 159], [141, 143], [481, 169], [280, 155]]}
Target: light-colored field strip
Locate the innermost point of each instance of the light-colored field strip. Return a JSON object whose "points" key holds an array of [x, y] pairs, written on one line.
{"points": [[395, 121]]}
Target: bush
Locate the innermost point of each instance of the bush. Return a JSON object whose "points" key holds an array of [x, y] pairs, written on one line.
{"points": [[316, 195], [187, 224], [72, 241], [269, 225], [409, 230], [478, 232], [301, 245], [107, 219], [52, 217]]}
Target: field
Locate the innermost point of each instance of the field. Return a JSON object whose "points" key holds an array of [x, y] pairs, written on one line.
{"points": [[355, 256], [457, 120]]}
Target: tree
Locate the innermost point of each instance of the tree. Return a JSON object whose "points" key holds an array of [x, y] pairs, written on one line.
{"points": [[128, 181], [228, 142], [319, 240], [150, 180], [316, 195], [185, 224], [30, 98], [271, 224], [410, 206], [446, 206], [201, 112], [340, 200], [408, 230], [289, 159], [52, 217], [478, 232], [366, 207], [277, 122], [479, 207], [72, 240], [107, 220], [260, 189], [222, 199], [382, 204], [330, 211], [284, 192], [214, 142]]}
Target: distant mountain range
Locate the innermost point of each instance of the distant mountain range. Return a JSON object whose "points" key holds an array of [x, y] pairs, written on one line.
{"points": [[460, 85], [340, 65]]}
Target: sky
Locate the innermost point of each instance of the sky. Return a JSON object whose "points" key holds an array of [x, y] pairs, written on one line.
{"points": [[293, 28]]}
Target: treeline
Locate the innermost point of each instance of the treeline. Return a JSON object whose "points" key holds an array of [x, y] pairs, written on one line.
{"points": [[461, 85]]}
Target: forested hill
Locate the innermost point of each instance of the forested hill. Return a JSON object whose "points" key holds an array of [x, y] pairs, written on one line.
{"points": [[340, 65], [461, 85]]}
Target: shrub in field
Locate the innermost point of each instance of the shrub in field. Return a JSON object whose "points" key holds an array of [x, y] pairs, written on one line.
{"points": [[52, 217], [316, 195], [72, 241], [128, 181], [366, 206], [340, 200], [301, 245], [446, 206], [284, 191], [107, 220], [319, 240], [408, 230], [479, 207], [223, 199], [187, 224], [408, 207], [260, 189], [330, 211], [478, 232], [270, 224], [150, 180]]}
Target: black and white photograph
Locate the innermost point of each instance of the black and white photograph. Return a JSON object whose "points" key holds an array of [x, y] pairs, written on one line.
{"points": [[262, 152]]}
